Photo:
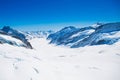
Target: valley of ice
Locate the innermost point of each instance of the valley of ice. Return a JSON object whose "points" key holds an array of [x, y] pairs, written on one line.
{"points": [[50, 62]]}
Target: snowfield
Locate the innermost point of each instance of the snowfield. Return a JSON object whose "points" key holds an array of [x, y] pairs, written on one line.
{"points": [[50, 62]]}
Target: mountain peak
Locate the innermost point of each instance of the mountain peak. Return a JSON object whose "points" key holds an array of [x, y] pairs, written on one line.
{"points": [[96, 25], [69, 28], [6, 29]]}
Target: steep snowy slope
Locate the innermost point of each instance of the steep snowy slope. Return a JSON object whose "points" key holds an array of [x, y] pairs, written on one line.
{"points": [[61, 36], [98, 34], [106, 34], [10, 40], [6, 30], [70, 35], [49, 62]]}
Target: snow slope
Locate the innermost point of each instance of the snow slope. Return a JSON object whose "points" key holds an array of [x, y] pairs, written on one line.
{"points": [[6, 30], [102, 35], [10, 40], [98, 34], [50, 62], [68, 36]]}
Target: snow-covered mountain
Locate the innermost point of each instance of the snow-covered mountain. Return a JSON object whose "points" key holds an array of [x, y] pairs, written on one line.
{"points": [[20, 38], [105, 34], [70, 35], [13, 37], [10, 40], [93, 35], [49, 62], [37, 34], [97, 25]]}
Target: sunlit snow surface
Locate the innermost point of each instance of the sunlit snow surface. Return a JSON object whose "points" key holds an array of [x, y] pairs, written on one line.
{"points": [[9, 38], [49, 62]]}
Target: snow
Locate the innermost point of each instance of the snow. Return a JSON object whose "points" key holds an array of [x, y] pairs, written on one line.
{"points": [[6, 37], [114, 35], [82, 32], [110, 35], [37, 34], [96, 25], [50, 62]]}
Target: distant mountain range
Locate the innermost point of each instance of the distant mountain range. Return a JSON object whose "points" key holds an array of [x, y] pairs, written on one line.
{"points": [[37, 34], [70, 36]]}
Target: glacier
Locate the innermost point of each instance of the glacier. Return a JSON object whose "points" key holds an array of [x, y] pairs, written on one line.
{"points": [[95, 56], [51, 62]]}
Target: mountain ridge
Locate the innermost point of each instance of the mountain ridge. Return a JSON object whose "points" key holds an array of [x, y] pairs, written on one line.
{"points": [[86, 36], [6, 30], [97, 34]]}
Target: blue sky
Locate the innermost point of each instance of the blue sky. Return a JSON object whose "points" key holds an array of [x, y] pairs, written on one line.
{"points": [[55, 14]]}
